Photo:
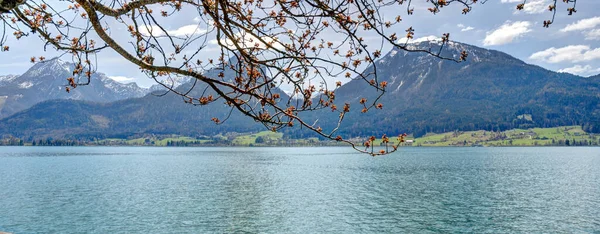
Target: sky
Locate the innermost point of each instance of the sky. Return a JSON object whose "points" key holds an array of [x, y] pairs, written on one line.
{"points": [[571, 44]]}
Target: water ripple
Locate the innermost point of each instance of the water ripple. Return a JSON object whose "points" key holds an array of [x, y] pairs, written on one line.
{"points": [[298, 190]]}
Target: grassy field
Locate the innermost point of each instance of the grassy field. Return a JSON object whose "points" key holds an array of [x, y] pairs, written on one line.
{"points": [[164, 141], [570, 135], [267, 136], [393, 140]]}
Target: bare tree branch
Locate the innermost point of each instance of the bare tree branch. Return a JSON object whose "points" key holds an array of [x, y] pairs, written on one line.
{"points": [[261, 47]]}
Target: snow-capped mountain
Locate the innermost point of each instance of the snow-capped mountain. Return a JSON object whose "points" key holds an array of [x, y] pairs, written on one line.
{"points": [[47, 80], [124, 91], [487, 91], [424, 94], [407, 71], [173, 82], [6, 79]]}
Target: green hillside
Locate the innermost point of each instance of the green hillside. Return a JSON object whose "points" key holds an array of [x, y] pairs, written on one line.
{"points": [[567, 136]]}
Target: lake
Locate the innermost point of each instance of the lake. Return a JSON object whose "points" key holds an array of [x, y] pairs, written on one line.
{"points": [[298, 190]]}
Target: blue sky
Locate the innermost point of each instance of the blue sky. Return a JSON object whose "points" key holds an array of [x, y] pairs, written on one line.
{"points": [[571, 44]]}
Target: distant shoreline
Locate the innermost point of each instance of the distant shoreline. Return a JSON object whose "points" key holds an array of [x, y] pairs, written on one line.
{"points": [[302, 146], [558, 136]]}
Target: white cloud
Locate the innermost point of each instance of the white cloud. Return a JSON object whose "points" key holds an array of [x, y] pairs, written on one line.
{"points": [[507, 33], [464, 28], [187, 30], [586, 70], [467, 29], [148, 30], [593, 35], [582, 24], [121, 79], [535, 7], [571, 53], [531, 6]]}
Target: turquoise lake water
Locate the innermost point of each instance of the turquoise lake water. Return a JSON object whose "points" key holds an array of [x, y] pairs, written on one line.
{"points": [[298, 190]]}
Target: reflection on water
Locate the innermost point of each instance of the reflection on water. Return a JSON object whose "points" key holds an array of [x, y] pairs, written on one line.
{"points": [[298, 190]]}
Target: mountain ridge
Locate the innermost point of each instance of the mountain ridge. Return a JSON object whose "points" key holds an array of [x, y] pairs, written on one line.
{"points": [[487, 92], [490, 91], [47, 80]]}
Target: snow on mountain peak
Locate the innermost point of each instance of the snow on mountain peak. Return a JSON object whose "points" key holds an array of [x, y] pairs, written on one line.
{"points": [[25, 85], [120, 88], [7, 78], [170, 82], [54, 65], [451, 49], [425, 39]]}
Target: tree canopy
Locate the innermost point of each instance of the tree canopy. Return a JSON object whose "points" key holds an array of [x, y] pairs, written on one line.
{"points": [[263, 45]]}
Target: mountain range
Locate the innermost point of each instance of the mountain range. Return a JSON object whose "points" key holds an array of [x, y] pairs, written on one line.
{"points": [[47, 80], [491, 91]]}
